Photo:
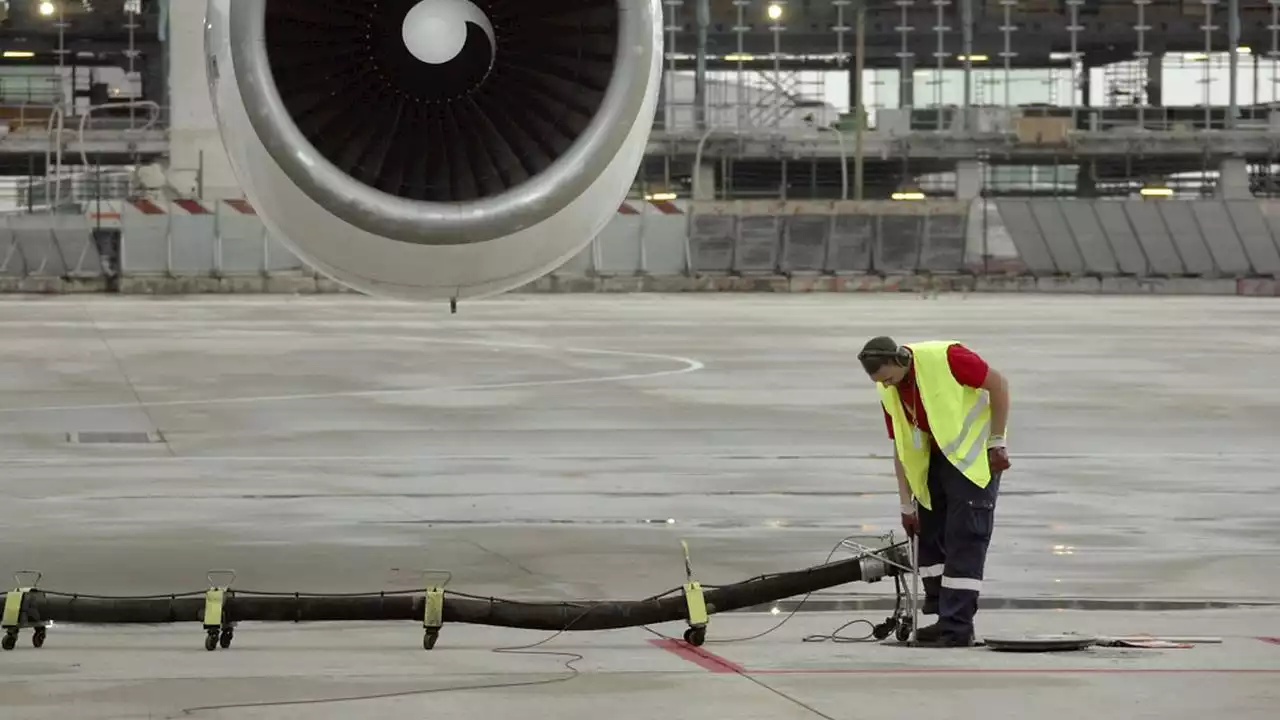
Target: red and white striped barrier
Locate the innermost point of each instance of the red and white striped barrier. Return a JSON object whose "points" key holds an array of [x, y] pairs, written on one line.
{"points": [[661, 207], [110, 213]]}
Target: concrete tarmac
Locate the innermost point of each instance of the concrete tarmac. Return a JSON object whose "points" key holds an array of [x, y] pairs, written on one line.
{"points": [[558, 447]]}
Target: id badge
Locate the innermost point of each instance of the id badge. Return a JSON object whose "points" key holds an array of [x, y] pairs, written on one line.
{"points": [[915, 437]]}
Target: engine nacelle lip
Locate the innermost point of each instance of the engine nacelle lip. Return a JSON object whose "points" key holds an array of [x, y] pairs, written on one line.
{"points": [[429, 223]]}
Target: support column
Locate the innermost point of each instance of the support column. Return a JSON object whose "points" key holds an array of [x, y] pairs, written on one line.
{"points": [[1086, 83], [1086, 182], [855, 90], [1233, 179], [155, 76], [198, 160], [1155, 79], [1233, 62], [700, 73], [705, 181], [907, 84], [968, 179]]}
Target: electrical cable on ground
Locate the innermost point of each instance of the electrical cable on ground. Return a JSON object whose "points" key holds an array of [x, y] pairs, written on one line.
{"points": [[568, 664], [529, 649], [833, 636]]}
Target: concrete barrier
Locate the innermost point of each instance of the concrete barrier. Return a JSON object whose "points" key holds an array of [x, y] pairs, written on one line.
{"points": [[1004, 245]]}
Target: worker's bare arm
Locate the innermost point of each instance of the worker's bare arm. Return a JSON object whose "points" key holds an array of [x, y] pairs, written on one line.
{"points": [[904, 490], [998, 388]]}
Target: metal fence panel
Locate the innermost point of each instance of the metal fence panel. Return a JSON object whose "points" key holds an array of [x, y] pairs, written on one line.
{"points": [[759, 238], [74, 239], [1186, 236], [1057, 237], [663, 241], [1130, 256], [805, 234], [898, 246], [1220, 237], [1162, 256], [1026, 236], [241, 239], [666, 252], [619, 248], [193, 239], [280, 259], [33, 236], [1094, 245], [853, 239], [805, 240], [1270, 210], [144, 240], [944, 245], [12, 263], [1259, 244], [712, 236]]}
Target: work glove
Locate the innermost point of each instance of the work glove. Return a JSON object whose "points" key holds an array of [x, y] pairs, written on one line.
{"points": [[997, 454], [910, 520]]}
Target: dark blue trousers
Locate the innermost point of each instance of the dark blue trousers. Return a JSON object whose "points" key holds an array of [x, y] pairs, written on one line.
{"points": [[954, 537]]}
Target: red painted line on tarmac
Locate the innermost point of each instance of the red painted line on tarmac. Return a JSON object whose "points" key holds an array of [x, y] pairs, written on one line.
{"points": [[1013, 671], [1272, 640], [696, 655], [721, 666]]}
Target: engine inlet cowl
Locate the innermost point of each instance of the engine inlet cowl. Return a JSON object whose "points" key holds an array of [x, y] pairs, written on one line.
{"points": [[443, 122]]}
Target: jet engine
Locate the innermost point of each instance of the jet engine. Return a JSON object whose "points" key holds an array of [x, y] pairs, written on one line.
{"points": [[434, 149]]}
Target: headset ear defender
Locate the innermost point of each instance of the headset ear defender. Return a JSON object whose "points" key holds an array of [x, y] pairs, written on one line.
{"points": [[873, 358]]}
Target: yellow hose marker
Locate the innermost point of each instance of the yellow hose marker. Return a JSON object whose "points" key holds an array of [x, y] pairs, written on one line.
{"points": [[12, 617], [218, 632], [433, 612], [434, 617], [695, 601], [697, 604], [213, 603]]}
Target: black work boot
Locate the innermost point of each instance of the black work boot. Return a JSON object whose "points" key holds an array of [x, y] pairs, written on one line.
{"points": [[930, 606], [929, 634], [938, 635]]}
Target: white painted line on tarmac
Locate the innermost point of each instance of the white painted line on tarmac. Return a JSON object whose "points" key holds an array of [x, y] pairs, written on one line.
{"points": [[688, 365]]}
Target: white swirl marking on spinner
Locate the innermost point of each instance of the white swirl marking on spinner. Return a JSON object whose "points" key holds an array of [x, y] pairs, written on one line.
{"points": [[435, 31]]}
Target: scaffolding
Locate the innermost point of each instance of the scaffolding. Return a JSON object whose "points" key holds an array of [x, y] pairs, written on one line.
{"points": [[946, 74], [747, 97], [76, 178]]}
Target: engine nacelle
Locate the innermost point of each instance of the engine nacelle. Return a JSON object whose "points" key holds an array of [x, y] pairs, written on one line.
{"points": [[422, 149]]}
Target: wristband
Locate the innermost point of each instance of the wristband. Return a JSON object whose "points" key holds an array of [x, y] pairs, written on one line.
{"points": [[996, 441], [908, 509]]}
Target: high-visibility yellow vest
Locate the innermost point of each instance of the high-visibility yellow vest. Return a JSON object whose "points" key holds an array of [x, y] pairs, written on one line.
{"points": [[959, 418]]}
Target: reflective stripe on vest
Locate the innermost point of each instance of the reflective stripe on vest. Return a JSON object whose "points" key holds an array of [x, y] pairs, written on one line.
{"points": [[978, 449], [945, 400]]}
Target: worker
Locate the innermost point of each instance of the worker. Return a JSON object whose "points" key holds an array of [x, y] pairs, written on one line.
{"points": [[946, 411]]}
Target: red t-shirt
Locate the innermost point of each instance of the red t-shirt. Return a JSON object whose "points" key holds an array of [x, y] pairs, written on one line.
{"points": [[966, 367]]}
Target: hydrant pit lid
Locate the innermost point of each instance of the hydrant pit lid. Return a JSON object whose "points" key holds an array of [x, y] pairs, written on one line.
{"points": [[1040, 643]]}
